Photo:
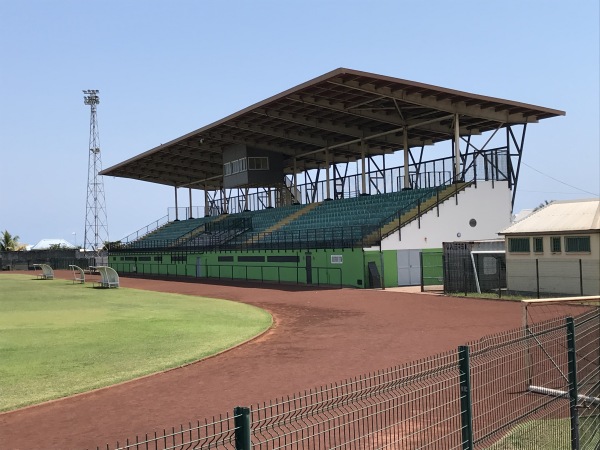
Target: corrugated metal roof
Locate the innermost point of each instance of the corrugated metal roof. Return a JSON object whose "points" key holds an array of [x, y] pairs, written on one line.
{"points": [[562, 216], [335, 117]]}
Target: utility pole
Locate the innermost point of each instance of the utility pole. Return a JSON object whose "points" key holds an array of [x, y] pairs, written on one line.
{"points": [[96, 224]]}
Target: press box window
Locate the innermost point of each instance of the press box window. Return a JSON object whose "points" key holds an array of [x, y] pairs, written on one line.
{"points": [[538, 245], [518, 245], [577, 244], [258, 163]]}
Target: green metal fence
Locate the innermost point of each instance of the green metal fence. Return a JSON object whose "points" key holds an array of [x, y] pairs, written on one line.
{"points": [[530, 388]]}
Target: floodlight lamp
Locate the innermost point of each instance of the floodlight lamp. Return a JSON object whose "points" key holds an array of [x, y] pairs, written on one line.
{"points": [[91, 97]]}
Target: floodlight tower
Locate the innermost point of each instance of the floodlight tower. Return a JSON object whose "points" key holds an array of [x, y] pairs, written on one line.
{"points": [[96, 224]]}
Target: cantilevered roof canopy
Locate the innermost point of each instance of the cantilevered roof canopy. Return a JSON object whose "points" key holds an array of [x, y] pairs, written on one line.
{"points": [[336, 116]]}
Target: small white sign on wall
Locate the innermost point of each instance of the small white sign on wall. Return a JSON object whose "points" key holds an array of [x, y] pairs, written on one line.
{"points": [[337, 259]]}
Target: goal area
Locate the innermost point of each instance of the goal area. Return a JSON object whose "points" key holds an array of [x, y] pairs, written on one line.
{"points": [[562, 350]]}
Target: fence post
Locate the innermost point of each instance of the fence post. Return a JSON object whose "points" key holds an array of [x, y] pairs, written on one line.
{"points": [[241, 415], [499, 267], [580, 278], [537, 276], [465, 276], [422, 270], [466, 415], [573, 397]]}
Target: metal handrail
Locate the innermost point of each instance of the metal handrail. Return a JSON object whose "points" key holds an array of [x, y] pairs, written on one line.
{"points": [[147, 230]]}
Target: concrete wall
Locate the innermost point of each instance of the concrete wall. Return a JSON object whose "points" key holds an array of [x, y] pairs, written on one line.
{"points": [[488, 203], [58, 259]]}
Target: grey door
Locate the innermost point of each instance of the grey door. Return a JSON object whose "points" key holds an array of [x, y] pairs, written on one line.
{"points": [[409, 267]]}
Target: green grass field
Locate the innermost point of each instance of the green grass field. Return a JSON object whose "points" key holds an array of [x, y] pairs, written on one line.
{"points": [[550, 434], [57, 338]]}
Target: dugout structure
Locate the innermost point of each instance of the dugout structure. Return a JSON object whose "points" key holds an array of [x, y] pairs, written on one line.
{"points": [[342, 180]]}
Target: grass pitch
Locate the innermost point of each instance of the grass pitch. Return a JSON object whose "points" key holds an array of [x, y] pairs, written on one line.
{"points": [[58, 339]]}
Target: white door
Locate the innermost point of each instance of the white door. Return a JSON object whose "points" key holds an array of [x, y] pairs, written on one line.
{"points": [[409, 267]]}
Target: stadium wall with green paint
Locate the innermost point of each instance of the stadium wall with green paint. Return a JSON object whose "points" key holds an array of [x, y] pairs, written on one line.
{"points": [[321, 267]]}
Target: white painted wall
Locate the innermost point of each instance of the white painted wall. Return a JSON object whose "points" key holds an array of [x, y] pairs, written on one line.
{"points": [[489, 206]]}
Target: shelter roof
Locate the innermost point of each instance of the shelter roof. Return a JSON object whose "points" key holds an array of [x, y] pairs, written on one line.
{"points": [[45, 244], [336, 116], [560, 217]]}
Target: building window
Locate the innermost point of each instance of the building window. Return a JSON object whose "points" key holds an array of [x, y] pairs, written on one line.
{"points": [[518, 245], [577, 244], [258, 163], [555, 244], [538, 245]]}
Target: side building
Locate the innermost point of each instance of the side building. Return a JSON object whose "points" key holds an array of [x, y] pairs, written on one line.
{"points": [[556, 250]]}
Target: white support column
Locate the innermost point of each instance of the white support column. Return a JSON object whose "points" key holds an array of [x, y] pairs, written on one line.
{"points": [[406, 171], [191, 216], [456, 148], [206, 210], [246, 208], [363, 174], [269, 201], [295, 191], [176, 205], [327, 174], [224, 200]]}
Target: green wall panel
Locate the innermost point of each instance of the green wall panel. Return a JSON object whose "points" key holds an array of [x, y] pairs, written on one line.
{"points": [[348, 271], [433, 268]]}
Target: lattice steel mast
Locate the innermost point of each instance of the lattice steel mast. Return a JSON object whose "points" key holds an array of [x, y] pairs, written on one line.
{"points": [[96, 224]]}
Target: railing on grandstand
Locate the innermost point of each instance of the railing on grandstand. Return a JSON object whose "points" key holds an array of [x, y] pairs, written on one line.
{"points": [[488, 165], [317, 238], [223, 235], [480, 396], [420, 209], [144, 231], [338, 237]]}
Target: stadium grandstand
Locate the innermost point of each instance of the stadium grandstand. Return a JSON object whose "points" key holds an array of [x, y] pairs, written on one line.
{"points": [[347, 179]]}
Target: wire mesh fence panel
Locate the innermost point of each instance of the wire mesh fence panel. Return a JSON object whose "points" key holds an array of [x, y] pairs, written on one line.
{"points": [[432, 270], [520, 392], [587, 338], [505, 410], [536, 311], [414, 406], [218, 433]]}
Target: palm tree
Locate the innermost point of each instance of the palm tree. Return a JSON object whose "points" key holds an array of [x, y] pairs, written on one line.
{"points": [[8, 243]]}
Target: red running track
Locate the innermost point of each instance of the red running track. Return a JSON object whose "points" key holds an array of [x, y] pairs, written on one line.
{"points": [[318, 337]]}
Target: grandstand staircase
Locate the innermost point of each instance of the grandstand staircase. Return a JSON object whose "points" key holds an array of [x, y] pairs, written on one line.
{"points": [[288, 219], [393, 224]]}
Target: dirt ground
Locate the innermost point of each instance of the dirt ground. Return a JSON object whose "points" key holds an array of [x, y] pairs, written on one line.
{"points": [[318, 337]]}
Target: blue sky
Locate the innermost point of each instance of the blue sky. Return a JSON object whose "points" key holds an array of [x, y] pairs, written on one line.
{"points": [[166, 68]]}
